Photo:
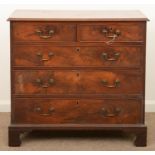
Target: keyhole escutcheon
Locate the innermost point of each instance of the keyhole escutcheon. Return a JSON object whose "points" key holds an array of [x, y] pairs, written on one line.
{"points": [[78, 49]]}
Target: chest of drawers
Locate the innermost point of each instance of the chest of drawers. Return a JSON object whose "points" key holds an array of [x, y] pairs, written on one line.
{"points": [[77, 71]]}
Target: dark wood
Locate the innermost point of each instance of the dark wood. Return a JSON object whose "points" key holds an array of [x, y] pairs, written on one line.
{"points": [[77, 111], [83, 81], [14, 136], [26, 31], [82, 74], [128, 128], [68, 56], [141, 137], [129, 31]]}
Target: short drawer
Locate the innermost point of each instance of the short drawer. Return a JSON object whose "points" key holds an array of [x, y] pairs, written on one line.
{"points": [[29, 82], [43, 31], [77, 111], [84, 56], [112, 32]]}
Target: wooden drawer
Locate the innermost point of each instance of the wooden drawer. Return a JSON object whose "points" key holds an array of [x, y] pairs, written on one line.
{"points": [[106, 111], [90, 56], [112, 31], [43, 31], [77, 82]]}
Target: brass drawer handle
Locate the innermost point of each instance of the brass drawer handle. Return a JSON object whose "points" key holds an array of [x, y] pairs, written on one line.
{"points": [[109, 32], [45, 34], [44, 85], [40, 56], [44, 59], [39, 81], [115, 85], [115, 112], [114, 58], [39, 111], [51, 81]]}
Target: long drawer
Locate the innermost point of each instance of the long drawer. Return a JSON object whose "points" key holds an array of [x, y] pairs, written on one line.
{"points": [[77, 82], [90, 56], [74, 111]]}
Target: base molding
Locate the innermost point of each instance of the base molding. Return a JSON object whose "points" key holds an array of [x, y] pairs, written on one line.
{"points": [[139, 130]]}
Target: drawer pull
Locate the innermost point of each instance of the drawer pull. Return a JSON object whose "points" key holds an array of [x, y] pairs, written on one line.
{"points": [[115, 112], [114, 58], [39, 81], [46, 85], [39, 111], [51, 81], [115, 85], [40, 55], [44, 34], [44, 59], [50, 54], [111, 33]]}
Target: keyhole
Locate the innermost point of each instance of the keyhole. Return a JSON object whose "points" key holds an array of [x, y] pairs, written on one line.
{"points": [[78, 49], [77, 104], [77, 74]]}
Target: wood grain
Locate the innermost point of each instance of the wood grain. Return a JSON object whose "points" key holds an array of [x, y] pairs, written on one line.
{"points": [[66, 90], [129, 31], [76, 111], [76, 56], [26, 31], [76, 82]]}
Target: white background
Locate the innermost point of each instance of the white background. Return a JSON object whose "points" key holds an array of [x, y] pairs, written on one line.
{"points": [[8, 6]]}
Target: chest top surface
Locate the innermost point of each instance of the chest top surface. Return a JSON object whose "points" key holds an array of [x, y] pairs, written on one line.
{"points": [[42, 15]]}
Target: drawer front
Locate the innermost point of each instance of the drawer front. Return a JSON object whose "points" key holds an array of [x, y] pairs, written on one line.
{"points": [[57, 111], [43, 31], [112, 31], [54, 56], [77, 81]]}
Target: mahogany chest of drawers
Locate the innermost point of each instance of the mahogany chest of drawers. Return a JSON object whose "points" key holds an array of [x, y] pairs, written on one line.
{"points": [[78, 71]]}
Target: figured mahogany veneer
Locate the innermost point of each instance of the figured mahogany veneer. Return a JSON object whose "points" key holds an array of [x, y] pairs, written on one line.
{"points": [[83, 111], [37, 31], [94, 32], [82, 73], [77, 82], [82, 56]]}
